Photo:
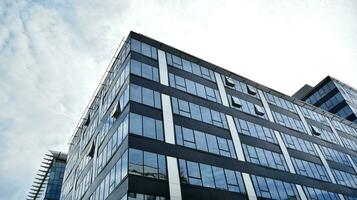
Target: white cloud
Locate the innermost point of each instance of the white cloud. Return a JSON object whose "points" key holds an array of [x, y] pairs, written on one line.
{"points": [[53, 53]]}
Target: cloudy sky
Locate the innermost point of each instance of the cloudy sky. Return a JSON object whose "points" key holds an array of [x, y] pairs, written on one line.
{"points": [[53, 53]]}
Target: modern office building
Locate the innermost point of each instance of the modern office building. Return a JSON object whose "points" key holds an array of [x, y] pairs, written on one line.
{"points": [[48, 181], [332, 95], [164, 124]]}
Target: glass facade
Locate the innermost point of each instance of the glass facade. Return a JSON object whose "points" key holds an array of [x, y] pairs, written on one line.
{"points": [[48, 183], [167, 125], [334, 96]]}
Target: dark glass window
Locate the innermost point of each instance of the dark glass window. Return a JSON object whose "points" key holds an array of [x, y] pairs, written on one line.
{"points": [[144, 70], [143, 48], [136, 124], [135, 162], [149, 130], [210, 176], [194, 88], [194, 175], [190, 67], [147, 164], [150, 165], [194, 111], [146, 126], [219, 177], [274, 189], [207, 176]]}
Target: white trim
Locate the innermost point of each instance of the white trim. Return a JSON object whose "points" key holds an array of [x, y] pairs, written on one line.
{"points": [[285, 152], [164, 78], [167, 119], [301, 192], [174, 178], [235, 137], [240, 156], [266, 106], [222, 91], [249, 186]]}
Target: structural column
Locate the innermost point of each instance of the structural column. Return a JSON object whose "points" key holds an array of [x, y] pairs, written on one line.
{"points": [[172, 166], [281, 143], [235, 137], [318, 150]]}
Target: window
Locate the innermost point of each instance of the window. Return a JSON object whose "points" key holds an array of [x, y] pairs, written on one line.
{"points": [[137, 196], [259, 110], [264, 157], [241, 87], [287, 105], [315, 131], [349, 143], [143, 48], [288, 122], [147, 164], [144, 70], [219, 178], [324, 134], [135, 162], [310, 169], [146, 126], [150, 165], [116, 111], [149, 129], [212, 143], [255, 130], [332, 102], [136, 126], [124, 165], [236, 102], [229, 81], [274, 189], [190, 67], [299, 144], [233, 180], [336, 156], [204, 142], [195, 111], [136, 93], [251, 90], [321, 92], [194, 88], [247, 106], [314, 193], [109, 120], [112, 179], [210, 176], [314, 116], [113, 144], [194, 174], [345, 178], [200, 139], [207, 176], [118, 176], [344, 128]]}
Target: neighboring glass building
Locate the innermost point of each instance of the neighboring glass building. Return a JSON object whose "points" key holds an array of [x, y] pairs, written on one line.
{"points": [[48, 181], [332, 95], [164, 124]]}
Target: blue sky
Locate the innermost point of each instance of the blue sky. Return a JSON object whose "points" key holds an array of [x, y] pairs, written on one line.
{"points": [[53, 53]]}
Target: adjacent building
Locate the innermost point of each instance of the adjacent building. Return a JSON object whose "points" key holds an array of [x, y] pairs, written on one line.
{"points": [[332, 95], [48, 180], [164, 124]]}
